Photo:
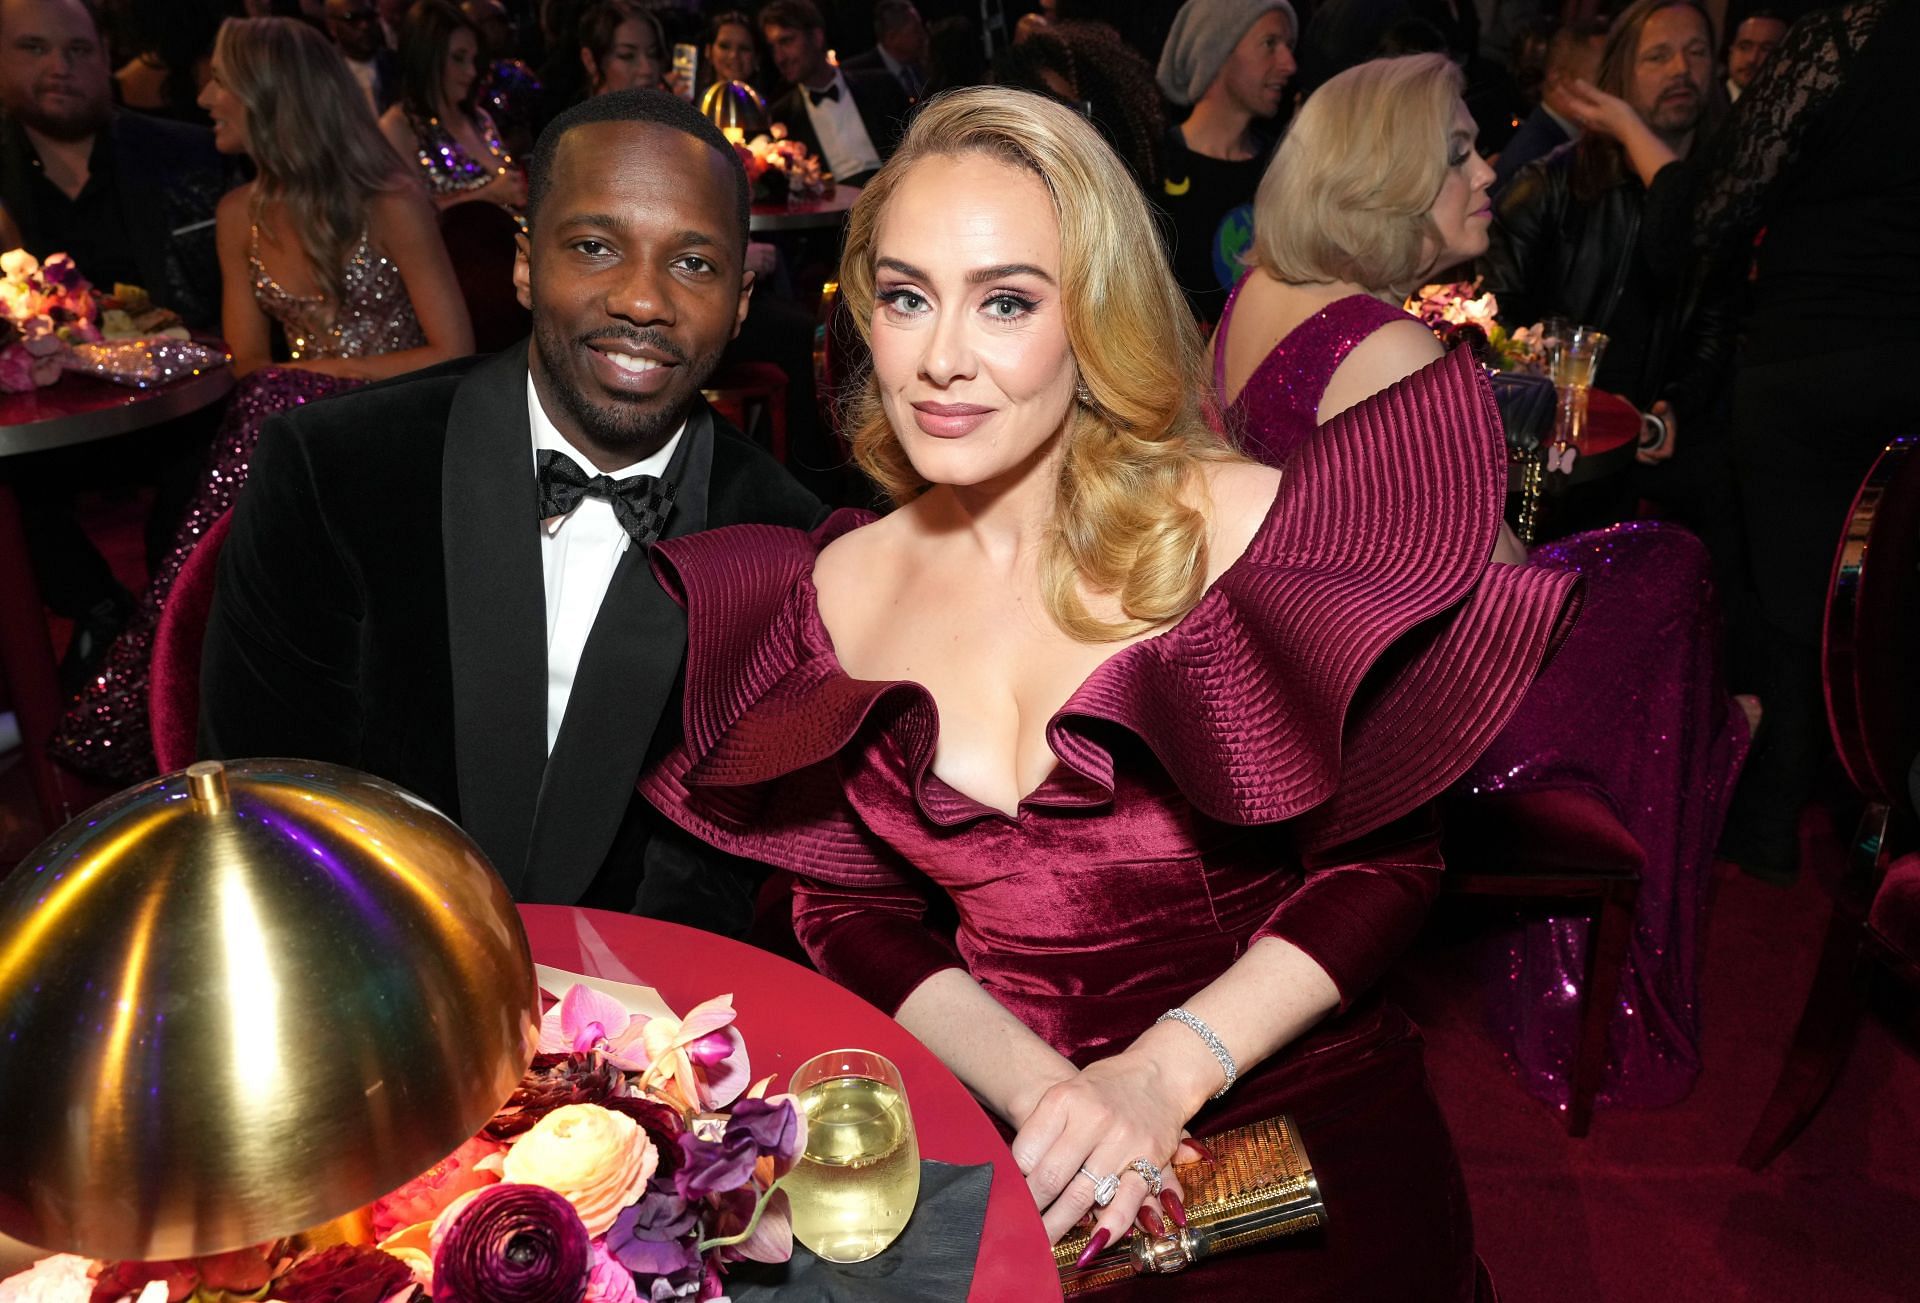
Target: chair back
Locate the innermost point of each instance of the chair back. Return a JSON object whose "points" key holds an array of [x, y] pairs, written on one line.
{"points": [[1870, 646], [479, 238], [173, 692]]}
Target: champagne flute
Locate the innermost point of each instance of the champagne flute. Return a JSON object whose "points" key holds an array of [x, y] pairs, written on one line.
{"points": [[1574, 362], [856, 1184]]}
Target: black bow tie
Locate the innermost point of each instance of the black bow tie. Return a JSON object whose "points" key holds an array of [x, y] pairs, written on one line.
{"points": [[830, 93], [641, 503]]}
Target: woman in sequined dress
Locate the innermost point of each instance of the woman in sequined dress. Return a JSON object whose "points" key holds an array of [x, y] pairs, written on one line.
{"points": [[334, 245], [437, 126], [1634, 709]]}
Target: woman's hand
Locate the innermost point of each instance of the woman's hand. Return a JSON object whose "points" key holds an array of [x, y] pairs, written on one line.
{"points": [[508, 189], [1102, 1118], [1594, 109]]}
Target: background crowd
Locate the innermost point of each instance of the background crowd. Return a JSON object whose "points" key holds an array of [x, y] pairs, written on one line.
{"points": [[1723, 189]]}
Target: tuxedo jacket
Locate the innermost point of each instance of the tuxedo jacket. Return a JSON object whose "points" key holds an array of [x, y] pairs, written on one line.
{"points": [[381, 603], [882, 103], [873, 61]]}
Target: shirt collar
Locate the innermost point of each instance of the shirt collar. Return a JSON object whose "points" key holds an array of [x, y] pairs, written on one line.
{"points": [[547, 437]]}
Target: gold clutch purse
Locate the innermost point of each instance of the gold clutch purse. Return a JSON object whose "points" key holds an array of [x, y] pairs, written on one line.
{"points": [[1258, 1187]]}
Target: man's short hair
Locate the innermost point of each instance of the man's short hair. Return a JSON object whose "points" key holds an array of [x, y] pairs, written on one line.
{"points": [[890, 16], [803, 15], [90, 7], [657, 107]]}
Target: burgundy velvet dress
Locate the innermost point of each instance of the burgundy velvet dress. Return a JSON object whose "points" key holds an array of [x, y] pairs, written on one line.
{"points": [[1633, 710], [1264, 767]]}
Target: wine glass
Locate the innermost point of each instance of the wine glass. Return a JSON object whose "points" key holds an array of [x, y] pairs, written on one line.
{"points": [[856, 1184], [1574, 361]]}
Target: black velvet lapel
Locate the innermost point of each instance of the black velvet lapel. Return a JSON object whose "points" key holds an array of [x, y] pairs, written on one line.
{"points": [[626, 677], [496, 610]]}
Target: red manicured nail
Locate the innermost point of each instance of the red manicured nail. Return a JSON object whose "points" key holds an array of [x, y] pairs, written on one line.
{"points": [[1094, 1245], [1175, 1209], [1150, 1221], [1199, 1147]]}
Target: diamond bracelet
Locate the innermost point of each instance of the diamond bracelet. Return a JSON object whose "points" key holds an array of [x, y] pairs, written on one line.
{"points": [[1206, 1034]]}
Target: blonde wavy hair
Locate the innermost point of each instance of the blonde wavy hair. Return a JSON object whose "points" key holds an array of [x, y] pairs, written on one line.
{"points": [[1124, 516], [1349, 193]]}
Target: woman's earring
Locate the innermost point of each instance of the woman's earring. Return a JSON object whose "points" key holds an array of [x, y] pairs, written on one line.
{"points": [[1081, 394]]}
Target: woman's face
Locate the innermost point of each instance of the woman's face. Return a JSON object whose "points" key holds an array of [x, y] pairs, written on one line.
{"points": [[633, 62], [462, 68], [731, 53], [1462, 212], [228, 113], [969, 322]]}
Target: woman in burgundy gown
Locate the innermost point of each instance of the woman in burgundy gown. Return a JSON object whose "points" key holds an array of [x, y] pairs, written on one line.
{"points": [[1633, 710], [1105, 720]]}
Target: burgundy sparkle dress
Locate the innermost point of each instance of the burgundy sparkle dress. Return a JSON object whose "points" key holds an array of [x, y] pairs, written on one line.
{"points": [[104, 733], [1633, 710], [1264, 767]]}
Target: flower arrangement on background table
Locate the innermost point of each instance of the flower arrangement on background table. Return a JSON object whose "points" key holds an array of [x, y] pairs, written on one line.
{"points": [[53, 321], [780, 167], [1463, 309], [633, 1162]]}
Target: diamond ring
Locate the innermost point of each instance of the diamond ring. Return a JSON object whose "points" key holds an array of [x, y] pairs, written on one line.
{"points": [[1104, 1187], [1148, 1173]]}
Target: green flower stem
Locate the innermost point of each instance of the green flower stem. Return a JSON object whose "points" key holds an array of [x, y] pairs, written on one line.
{"points": [[728, 1241]]}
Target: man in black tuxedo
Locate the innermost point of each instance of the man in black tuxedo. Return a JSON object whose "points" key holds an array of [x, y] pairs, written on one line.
{"points": [[851, 119], [443, 579]]}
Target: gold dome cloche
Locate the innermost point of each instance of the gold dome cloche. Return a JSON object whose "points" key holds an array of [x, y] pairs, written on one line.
{"points": [[243, 1000]]}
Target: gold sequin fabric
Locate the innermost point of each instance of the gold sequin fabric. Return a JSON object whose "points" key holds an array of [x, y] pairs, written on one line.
{"points": [[374, 316], [446, 166]]}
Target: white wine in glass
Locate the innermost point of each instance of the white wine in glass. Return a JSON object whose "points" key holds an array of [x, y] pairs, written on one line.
{"points": [[857, 1182]]}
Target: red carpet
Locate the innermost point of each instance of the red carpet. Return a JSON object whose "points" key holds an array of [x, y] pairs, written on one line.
{"points": [[1651, 1206]]}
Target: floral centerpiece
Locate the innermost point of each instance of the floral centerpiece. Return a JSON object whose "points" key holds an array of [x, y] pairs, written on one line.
{"points": [[52, 321], [1464, 310], [779, 166], [634, 1162]]}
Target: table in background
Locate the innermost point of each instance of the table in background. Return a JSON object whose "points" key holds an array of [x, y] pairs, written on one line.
{"points": [[79, 409], [804, 214], [788, 1014]]}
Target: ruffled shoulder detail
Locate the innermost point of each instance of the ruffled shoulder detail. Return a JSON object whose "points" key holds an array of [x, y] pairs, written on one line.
{"points": [[1364, 651], [1346, 669]]}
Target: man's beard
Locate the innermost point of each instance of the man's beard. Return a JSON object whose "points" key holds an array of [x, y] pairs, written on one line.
{"points": [[620, 424], [86, 118]]}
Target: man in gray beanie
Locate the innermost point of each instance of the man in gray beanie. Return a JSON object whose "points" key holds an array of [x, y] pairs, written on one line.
{"points": [[1231, 61]]}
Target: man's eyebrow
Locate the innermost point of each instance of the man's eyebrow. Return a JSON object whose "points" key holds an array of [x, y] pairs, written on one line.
{"points": [[612, 222], [978, 276]]}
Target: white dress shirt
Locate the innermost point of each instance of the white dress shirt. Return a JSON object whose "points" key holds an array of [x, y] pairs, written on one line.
{"points": [[843, 137], [579, 552]]}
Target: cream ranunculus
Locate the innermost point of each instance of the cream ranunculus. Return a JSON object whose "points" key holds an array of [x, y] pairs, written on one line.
{"points": [[598, 1160], [18, 264]]}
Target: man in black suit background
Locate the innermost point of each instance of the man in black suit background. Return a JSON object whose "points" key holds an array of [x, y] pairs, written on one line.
{"points": [[851, 119], [443, 579], [900, 47]]}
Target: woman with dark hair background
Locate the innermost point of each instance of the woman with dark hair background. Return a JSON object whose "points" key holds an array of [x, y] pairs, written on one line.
{"points": [[175, 50], [438, 126], [621, 48]]}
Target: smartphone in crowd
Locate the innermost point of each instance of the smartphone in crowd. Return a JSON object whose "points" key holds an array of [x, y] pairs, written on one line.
{"points": [[686, 69]]}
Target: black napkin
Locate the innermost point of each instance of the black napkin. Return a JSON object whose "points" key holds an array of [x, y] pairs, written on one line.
{"points": [[932, 1260]]}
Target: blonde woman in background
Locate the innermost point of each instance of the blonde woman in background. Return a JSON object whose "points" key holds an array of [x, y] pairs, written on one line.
{"points": [[335, 246], [1374, 190], [1084, 689]]}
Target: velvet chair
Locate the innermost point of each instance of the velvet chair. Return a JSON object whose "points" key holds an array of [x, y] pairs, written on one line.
{"points": [[742, 391], [479, 238], [1870, 653], [1567, 852], [173, 691]]}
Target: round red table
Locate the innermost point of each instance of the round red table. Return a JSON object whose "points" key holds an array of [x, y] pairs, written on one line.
{"points": [[788, 1014], [78, 409]]}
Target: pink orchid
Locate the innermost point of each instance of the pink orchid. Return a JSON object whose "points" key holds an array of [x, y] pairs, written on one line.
{"points": [[703, 1039], [586, 1019]]}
